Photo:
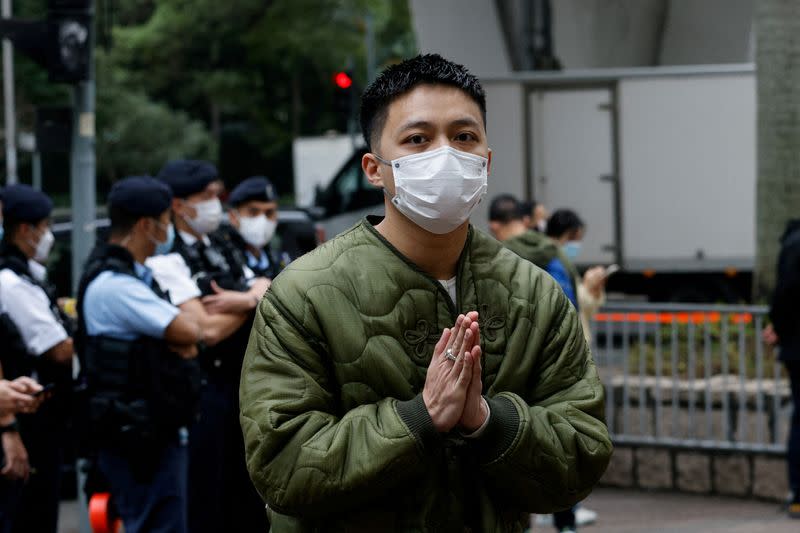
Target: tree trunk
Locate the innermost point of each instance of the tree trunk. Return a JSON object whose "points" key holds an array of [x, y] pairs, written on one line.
{"points": [[778, 186]]}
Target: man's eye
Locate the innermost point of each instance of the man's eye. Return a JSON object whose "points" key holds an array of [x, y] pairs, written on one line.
{"points": [[465, 137], [416, 139]]}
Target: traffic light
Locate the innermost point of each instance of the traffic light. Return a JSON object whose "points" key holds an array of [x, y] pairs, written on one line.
{"points": [[61, 43], [343, 80], [69, 44], [344, 94]]}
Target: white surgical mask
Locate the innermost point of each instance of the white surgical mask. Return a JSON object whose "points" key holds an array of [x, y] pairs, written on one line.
{"points": [[438, 190], [43, 247], [208, 217], [257, 231]]}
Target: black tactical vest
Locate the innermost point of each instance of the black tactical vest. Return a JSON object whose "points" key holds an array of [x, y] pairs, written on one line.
{"points": [[139, 392], [217, 262], [220, 263]]}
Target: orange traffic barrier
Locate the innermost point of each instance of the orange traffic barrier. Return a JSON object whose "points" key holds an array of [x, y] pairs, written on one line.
{"points": [[102, 517], [679, 318]]}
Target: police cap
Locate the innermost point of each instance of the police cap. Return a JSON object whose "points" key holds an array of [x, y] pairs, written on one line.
{"points": [[256, 188], [23, 203], [140, 195], [186, 176]]}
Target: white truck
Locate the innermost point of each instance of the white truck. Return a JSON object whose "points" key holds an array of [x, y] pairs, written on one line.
{"points": [[659, 162]]}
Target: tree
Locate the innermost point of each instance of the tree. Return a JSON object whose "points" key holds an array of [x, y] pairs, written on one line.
{"points": [[778, 187]]}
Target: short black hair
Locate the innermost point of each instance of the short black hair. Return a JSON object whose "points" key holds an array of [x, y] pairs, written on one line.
{"points": [[122, 221], [504, 208], [527, 207], [563, 221], [399, 79]]}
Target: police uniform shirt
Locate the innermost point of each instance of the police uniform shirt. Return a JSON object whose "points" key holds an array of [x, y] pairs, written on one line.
{"points": [[261, 262], [173, 274], [29, 308], [190, 239], [123, 307]]}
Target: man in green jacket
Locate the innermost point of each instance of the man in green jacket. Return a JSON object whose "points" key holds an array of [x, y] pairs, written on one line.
{"points": [[507, 224], [412, 374]]}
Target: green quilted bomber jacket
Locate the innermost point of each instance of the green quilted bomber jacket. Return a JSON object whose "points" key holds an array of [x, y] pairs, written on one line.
{"points": [[336, 433]]}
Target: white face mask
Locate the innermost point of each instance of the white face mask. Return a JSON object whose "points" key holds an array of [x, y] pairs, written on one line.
{"points": [[257, 231], [438, 190], [43, 247], [208, 217]]}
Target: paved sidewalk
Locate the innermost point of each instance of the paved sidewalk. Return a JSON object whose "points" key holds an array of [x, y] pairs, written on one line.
{"points": [[625, 511]]}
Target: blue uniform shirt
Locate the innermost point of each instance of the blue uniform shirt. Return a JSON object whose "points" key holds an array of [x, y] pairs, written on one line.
{"points": [[123, 307], [261, 262]]}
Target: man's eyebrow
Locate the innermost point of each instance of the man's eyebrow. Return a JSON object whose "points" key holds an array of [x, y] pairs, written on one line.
{"points": [[424, 124], [466, 121], [415, 124]]}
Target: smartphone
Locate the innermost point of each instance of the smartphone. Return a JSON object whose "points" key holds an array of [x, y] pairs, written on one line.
{"points": [[611, 269], [45, 389]]}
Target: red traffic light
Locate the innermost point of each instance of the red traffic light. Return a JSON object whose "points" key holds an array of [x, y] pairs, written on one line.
{"points": [[343, 80]]}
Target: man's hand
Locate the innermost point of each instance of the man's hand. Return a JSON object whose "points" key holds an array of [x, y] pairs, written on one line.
{"points": [[260, 286], [447, 381], [769, 336], [16, 457], [223, 301], [17, 396], [594, 280], [475, 409], [185, 351]]}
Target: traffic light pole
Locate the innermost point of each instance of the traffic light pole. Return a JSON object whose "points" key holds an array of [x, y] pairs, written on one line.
{"points": [[82, 170], [9, 113]]}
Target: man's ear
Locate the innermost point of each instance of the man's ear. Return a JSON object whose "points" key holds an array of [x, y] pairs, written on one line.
{"points": [[489, 164], [234, 220], [372, 169], [142, 226]]}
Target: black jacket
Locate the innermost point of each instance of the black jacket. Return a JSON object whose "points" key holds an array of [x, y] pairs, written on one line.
{"points": [[785, 311]]}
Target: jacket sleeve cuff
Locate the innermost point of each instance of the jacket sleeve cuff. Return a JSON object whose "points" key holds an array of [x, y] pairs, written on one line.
{"points": [[415, 415], [501, 430]]}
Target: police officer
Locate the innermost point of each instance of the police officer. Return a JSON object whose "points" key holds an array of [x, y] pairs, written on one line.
{"points": [[32, 444], [138, 350], [221, 496], [253, 218]]}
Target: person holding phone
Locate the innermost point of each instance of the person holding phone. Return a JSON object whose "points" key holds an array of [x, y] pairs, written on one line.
{"points": [[43, 350]]}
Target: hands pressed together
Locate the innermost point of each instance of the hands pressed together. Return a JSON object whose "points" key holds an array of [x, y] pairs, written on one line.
{"points": [[452, 392]]}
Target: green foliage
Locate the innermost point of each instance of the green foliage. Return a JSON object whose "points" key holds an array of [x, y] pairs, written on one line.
{"points": [[234, 82], [136, 135]]}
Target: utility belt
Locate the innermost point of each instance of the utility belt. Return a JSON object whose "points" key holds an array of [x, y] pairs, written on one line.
{"points": [[138, 393]]}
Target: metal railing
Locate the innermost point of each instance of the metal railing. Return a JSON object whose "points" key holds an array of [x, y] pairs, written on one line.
{"points": [[691, 376]]}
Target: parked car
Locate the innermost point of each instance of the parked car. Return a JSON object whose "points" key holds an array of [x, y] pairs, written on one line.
{"points": [[347, 198]]}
